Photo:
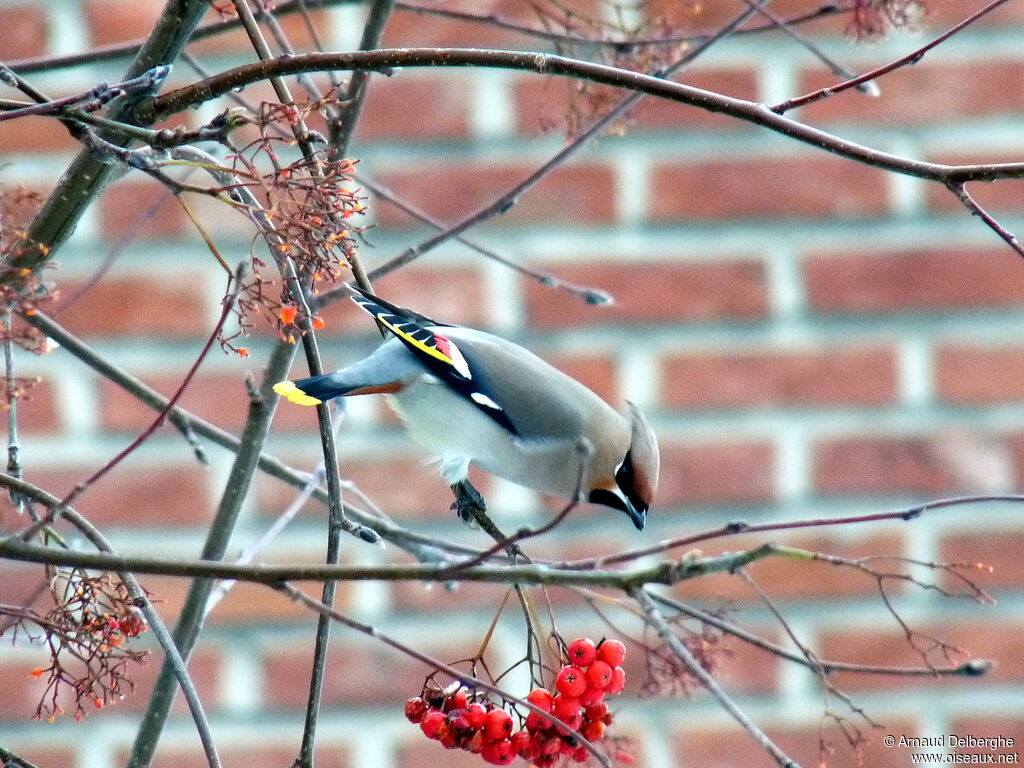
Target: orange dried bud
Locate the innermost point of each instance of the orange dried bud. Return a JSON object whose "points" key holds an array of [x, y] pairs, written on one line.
{"points": [[287, 314], [318, 323], [243, 351], [37, 672]]}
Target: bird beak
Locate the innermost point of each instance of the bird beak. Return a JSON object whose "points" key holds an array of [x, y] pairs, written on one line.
{"points": [[616, 499], [638, 516]]}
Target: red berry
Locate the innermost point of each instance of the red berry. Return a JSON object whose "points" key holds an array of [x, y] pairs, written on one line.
{"points": [[541, 697], [571, 681], [566, 707], [545, 761], [497, 725], [448, 739], [552, 746], [523, 744], [457, 700], [612, 652], [476, 743], [432, 723], [592, 730], [475, 714], [415, 709], [599, 675], [573, 722], [535, 722], [498, 752], [582, 652], [595, 711], [580, 754], [618, 681], [460, 727], [591, 695]]}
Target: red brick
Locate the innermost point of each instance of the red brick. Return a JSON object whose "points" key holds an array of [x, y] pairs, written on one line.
{"points": [[261, 755], [133, 493], [417, 752], [23, 692], [716, 473], [663, 115], [941, 14], [25, 584], [983, 639], [245, 603], [596, 371], [171, 306], [1003, 196], [204, 667], [734, 748], [37, 409], [355, 673], [219, 398], [1000, 553], [738, 666], [142, 211], [236, 41], [698, 17], [940, 279], [35, 134], [920, 95], [550, 104], [931, 466], [436, 599], [853, 376], [756, 188], [116, 21], [407, 28], [420, 493], [26, 30], [979, 375], [447, 294], [408, 108], [450, 192], [648, 293], [785, 578]]}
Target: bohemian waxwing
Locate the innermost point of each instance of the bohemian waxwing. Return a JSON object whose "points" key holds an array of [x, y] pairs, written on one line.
{"points": [[471, 397]]}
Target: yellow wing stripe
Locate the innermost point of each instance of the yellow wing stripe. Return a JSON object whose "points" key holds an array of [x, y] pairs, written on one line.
{"points": [[288, 390], [432, 351]]}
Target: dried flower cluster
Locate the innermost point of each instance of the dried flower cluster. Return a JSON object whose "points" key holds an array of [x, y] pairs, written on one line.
{"points": [[85, 633]]}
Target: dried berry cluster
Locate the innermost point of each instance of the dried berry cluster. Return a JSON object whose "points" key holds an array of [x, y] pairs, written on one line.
{"points": [[462, 719]]}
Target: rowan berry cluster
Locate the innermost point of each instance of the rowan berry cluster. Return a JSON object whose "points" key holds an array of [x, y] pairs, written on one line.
{"points": [[461, 719]]}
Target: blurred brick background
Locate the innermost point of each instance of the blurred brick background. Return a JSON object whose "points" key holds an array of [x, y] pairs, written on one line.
{"points": [[810, 338]]}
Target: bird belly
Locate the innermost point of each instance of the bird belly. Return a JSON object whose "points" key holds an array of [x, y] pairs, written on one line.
{"points": [[456, 432]]}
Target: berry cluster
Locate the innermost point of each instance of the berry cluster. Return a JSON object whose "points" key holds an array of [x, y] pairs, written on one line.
{"points": [[592, 672]]}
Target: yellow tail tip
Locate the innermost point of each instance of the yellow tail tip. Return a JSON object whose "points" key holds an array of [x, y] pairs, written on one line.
{"points": [[288, 390]]}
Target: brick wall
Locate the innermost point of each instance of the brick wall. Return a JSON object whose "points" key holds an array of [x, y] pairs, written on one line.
{"points": [[810, 337]]}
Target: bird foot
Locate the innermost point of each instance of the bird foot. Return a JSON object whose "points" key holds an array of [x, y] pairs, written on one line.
{"points": [[469, 504]]}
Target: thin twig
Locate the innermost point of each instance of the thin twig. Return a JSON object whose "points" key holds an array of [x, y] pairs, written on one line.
{"points": [[972, 668], [212, 29], [140, 601], [742, 527], [686, 657], [911, 58]]}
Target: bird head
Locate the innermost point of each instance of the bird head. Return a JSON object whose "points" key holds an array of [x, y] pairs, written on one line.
{"points": [[636, 476]]}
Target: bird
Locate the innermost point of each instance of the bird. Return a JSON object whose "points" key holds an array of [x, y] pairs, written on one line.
{"points": [[471, 397]]}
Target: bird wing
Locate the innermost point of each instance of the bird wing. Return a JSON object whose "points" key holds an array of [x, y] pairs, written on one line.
{"points": [[439, 353]]}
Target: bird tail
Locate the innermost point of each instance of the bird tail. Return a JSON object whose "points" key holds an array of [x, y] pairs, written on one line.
{"points": [[314, 390]]}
